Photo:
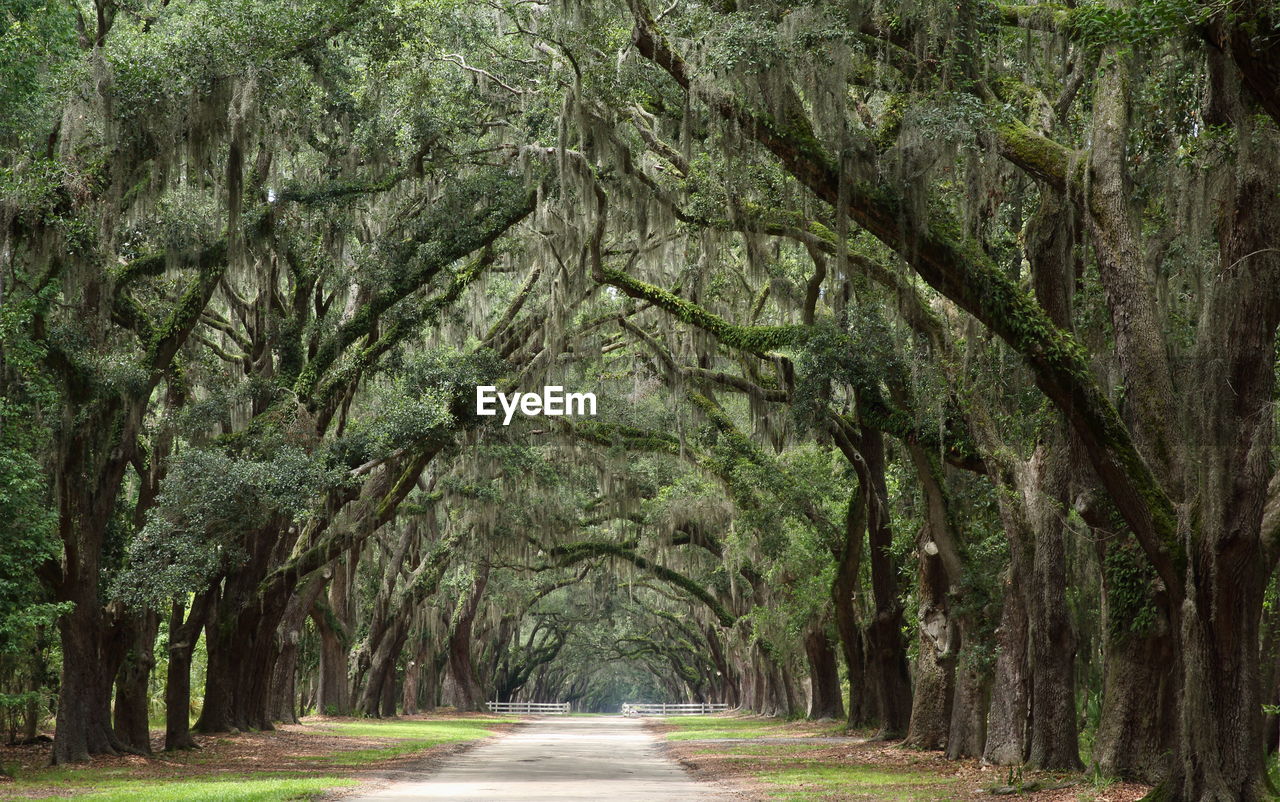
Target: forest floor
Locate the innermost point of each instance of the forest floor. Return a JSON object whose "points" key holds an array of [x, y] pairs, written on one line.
{"points": [[768, 758], [319, 758]]}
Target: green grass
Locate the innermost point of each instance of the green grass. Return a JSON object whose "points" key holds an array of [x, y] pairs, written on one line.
{"points": [[820, 781], [410, 737], [236, 788], [751, 749], [121, 782], [693, 728], [804, 771]]}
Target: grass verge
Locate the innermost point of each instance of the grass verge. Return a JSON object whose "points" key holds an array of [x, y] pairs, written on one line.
{"points": [[295, 762], [803, 761], [722, 727], [407, 737]]}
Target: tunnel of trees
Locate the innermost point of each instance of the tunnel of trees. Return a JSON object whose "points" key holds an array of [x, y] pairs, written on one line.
{"points": [[934, 346]]}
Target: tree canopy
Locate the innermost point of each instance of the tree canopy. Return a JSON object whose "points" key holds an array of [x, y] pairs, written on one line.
{"points": [[934, 348]]}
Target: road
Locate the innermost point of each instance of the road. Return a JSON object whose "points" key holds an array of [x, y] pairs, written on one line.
{"points": [[557, 758]]}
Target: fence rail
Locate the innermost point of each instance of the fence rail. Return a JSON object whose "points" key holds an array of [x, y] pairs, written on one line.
{"points": [[660, 709], [529, 708]]}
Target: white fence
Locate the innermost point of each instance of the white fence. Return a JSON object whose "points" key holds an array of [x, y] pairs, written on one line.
{"points": [[691, 709], [529, 708]]}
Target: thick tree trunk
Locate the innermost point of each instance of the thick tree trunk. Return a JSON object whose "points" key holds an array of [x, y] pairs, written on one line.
{"points": [[387, 708], [240, 636], [935, 666], [240, 641], [824, 676], [967, 734], [1220, 754], [843, 588], [885, 645], [1011, 690], [382, 670], [183, 635], [470, 695], [283, 701], [333, 695], [238, 678], [940, 574], [1220, 750], [413, 671], [133, 697], [333, 622], [791, 694], [753, 692], [1031, 510], [1137, 730], [284, 698], [431, 682], [89, 660], [1054, 741], [1138, 726], [84, 695]]}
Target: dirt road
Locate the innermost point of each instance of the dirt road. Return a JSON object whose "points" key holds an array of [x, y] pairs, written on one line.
{"points": [[608, 758]]}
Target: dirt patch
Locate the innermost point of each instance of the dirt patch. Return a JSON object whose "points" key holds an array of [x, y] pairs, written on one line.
{"points": [[306, 748]]}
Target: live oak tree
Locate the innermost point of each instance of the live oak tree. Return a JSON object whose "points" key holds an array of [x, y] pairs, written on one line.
{"points": [[942, 333]]}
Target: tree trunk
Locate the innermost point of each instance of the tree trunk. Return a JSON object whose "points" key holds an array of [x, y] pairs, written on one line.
{"points": [[240, 641], [1011, 691], [413, 671], [382, 670], [283, 702], [1054, 742], [284, 698], [824, 675], [387, 709], [84, 694], [728, 685], [89, 662], [1137, 730], [470, 694], [843, 588], [431, 679], [940, 574], [333, 695], [133, 697], [885, 644], [240, 636], [967, 734], [183, 635], [935, 666], [1220, 750], [790, 691], [333, 622]]}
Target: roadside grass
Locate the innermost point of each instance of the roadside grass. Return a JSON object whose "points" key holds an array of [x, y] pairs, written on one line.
{"points": [[702, 728], [752, 750], [809, 771], [823, 780], [247, 788], [110, 786], [408, 737], [794, 761], [297, 762]]}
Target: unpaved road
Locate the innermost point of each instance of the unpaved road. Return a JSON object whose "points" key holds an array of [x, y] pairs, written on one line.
{"points": [[599, 758]]}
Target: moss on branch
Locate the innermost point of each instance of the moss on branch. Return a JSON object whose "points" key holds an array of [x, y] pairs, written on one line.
{"points": [[584, 550], [954, 265]]}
